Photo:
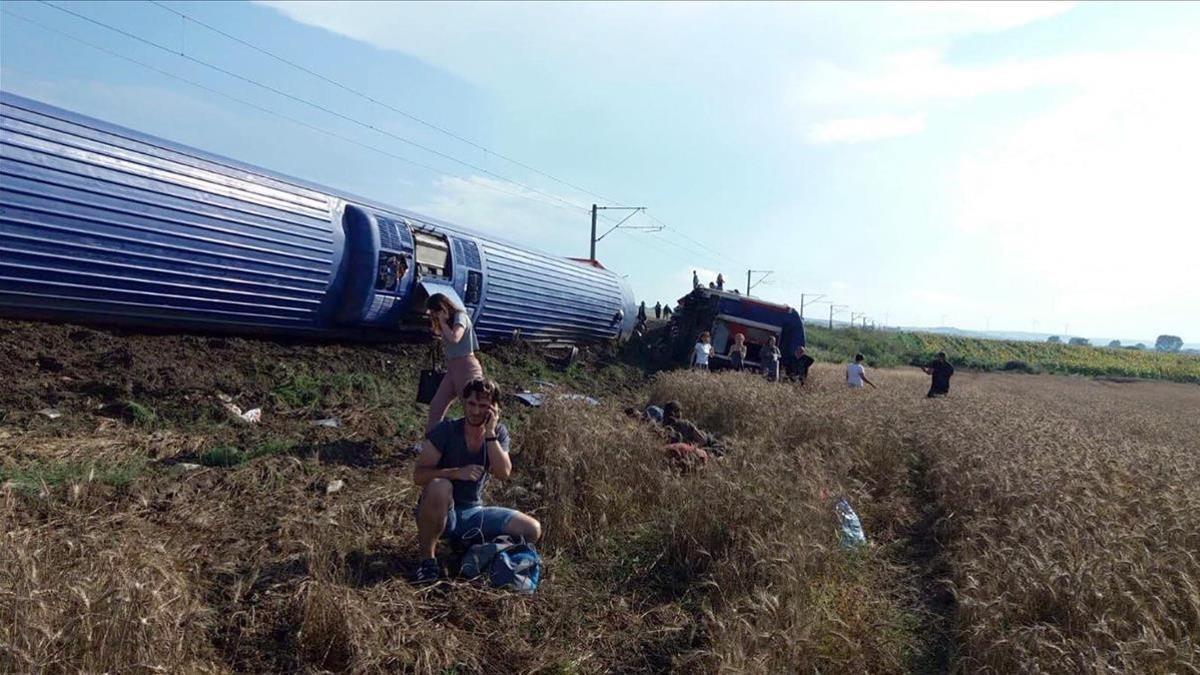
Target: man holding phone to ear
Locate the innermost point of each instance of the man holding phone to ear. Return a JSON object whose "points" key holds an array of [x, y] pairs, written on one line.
{"points": [[456, 460]]}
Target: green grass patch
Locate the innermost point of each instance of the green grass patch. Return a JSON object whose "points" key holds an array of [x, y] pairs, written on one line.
{"points": [[31, 477], [223, 457], [270, 447], [307, 391], [142, 415]]}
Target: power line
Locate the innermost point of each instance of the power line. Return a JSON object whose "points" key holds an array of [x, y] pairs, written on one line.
{"points": [[561, 202], [722, 255], [332, 134], [372, 99], [311, 104]]}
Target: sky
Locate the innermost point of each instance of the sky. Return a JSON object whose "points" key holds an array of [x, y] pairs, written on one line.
{"points": [[987, 165]]}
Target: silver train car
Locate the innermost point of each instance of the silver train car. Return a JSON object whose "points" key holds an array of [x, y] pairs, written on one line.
{"points": [[101, 224]]}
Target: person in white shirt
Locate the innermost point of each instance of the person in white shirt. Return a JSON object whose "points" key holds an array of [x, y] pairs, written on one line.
{"points": [[856, 375], [701, 352]]}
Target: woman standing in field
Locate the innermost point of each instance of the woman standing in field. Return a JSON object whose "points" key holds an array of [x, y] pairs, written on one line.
{"points": [[737, 351], [769, 358], [451, 324]]}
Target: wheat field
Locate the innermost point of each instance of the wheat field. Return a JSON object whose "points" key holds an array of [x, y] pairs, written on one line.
{"points": [[1023, 524]]}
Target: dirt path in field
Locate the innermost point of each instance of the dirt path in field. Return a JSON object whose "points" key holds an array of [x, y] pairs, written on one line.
{"points": [[925, 554]]}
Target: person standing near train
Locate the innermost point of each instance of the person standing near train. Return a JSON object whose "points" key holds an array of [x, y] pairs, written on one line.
{"points": [[452, 326], [737, 352], [701, 352]]}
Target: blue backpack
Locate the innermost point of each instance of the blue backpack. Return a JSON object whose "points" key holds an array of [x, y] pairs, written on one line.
{"points": [[508, 563]]}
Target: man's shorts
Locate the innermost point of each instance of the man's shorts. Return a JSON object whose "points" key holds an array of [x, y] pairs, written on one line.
{"points": [[476, 522]]}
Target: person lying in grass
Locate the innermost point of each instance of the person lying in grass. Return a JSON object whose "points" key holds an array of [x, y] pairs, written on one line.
{"points": [[456, 460]]}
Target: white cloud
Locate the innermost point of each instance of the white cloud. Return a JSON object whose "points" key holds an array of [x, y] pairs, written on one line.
{"points": [[861, 129], [1096, 198], [502, 208]]}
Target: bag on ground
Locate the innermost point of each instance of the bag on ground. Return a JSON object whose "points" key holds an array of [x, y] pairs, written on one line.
{"points": [[506, 562]]}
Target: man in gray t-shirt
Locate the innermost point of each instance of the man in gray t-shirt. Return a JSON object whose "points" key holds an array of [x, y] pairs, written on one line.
{"points": [[457, 459]]}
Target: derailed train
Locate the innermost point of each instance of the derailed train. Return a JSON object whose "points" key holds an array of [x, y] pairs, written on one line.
{"points": [[103, 224]]}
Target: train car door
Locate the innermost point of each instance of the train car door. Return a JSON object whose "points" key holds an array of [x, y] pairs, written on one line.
{"points": [[377, 269]]}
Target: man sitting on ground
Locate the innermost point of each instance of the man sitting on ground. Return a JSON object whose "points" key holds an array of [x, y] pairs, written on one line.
{"points": [[457, 458]]}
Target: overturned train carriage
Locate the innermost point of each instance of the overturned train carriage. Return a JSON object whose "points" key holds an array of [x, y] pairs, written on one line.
{"points": [[102, 224]]}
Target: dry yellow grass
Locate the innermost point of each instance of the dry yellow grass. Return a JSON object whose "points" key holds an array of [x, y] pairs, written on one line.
{"points": [[1060, 515]]}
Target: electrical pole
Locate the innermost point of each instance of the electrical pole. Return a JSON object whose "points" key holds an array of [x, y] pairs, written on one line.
{"points": [[804, 303], [634, 209], [833, 307], [592, 252], [764, 273]]}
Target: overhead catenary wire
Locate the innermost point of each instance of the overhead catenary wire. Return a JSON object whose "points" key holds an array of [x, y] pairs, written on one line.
{"points": [[275, 113], [530, 192], [361, 94], [317, 106]]}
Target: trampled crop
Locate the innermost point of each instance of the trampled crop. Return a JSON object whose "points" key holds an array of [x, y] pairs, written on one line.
{"points": [[1025, 523]]}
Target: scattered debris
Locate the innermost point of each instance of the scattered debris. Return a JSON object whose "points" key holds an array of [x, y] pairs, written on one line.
{"points": [[50, 412], [330, 422], [249, 417], [334, 486], [537, 399], [851, 531], [187, 466]]}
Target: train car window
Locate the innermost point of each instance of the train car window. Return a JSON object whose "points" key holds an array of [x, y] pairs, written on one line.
{"points": [[474, 288], [432, 254], [392, 268]]}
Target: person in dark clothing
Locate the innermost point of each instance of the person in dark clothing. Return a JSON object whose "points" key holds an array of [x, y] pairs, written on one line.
{"points": [[737, 352], [667, 312], [695, 279], [720, 282], [798, 368], [641, 315], [941, 370], [658, 310]]}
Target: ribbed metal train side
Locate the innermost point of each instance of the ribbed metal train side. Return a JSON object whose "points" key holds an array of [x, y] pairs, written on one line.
{"points": [[104, 224], [107, 227], [548, 298]]}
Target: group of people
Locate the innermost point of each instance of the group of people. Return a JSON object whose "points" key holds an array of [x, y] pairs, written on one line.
{"points": [[661, 311], [686, 442], [457, 457], [717, 285], [769, 355], [769, 358], [939, 369]]}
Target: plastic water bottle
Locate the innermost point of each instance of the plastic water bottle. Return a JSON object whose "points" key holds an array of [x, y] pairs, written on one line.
{"points": [[851, 529]]}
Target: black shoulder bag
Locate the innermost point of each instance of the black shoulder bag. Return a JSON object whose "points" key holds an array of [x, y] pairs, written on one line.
{"points": [[431, 378]]}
